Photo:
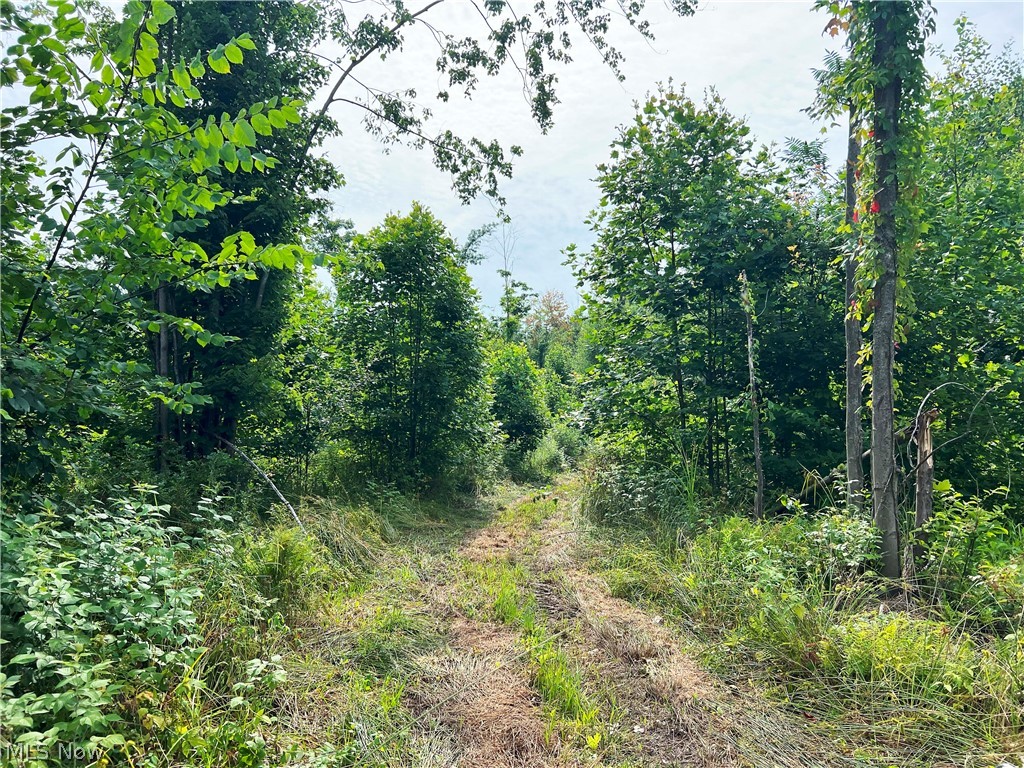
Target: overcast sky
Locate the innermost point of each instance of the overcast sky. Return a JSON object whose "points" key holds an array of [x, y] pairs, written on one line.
{"points": [[758, 55]]}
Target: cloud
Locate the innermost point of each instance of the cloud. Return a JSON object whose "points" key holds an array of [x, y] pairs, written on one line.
{"points": [[758, 55]]}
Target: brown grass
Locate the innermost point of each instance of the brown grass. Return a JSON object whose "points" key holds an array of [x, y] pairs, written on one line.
{"points": [[479, 690]]}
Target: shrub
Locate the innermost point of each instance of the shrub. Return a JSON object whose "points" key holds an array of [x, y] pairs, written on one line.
{"points": [[546, 460], [570, 441], [94, 611], [915, 658], [962, 534], [665, 499], [289, 568], [972, 556], [517, 402], [842, 545]]}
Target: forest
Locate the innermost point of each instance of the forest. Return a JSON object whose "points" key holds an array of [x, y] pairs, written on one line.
{"points": [[278, 490]]}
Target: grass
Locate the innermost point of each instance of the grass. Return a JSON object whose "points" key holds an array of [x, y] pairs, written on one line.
{"points": [[791, 606], [338, 612]]}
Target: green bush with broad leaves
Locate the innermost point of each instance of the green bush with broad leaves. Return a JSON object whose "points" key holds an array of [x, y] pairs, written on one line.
{"points": [[972, 559], [95, 611]]}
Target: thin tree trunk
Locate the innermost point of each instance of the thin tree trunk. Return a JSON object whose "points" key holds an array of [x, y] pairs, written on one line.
{"points": [[925, 480], [755, 413], [854, 371], [728, 456], [163, 369], [883, 448]]}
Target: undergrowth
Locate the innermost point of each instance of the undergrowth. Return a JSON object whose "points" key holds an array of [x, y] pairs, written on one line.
{"points": [[128, 639], [933, 672]]}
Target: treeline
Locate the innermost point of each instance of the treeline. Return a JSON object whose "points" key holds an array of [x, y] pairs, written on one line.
{"points": [[176, 289], [690, 203], [178, 301]]}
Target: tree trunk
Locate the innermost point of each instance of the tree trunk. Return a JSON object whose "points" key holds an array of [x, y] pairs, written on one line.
{"points": [[854, 371], [883, 448], [925, 479], [755, 413], [163, 369]]}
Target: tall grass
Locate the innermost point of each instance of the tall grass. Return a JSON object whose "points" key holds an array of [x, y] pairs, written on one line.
{"points": [[794, 605]]}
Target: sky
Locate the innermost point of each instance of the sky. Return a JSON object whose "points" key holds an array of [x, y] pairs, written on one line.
{"points": [[758, 55]]}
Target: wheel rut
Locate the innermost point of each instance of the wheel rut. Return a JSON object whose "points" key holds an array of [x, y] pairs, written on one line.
{"points": [[479, 693]]}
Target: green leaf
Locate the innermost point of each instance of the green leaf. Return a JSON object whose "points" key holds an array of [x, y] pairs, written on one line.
{"points": [[277, 118], [181, 76], [162, 11], [261, 125], [244, 134], [217, 61], [228, 155], [233, 53]]}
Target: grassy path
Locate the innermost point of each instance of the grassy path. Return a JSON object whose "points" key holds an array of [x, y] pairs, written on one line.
{"points": [[496, 645], [540, 665]]}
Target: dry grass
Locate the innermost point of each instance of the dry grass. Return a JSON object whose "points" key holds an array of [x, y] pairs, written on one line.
{"points": [[484, 697]]}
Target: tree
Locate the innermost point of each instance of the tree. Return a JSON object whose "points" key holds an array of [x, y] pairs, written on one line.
{"points": [[887, 47], [271, 207], [526, 40], [548, 331], [966, 354], [310, 390], [755, 408], [517, 405], [687, 205], [88, 237], [408, 319], [834, 96], [515, 294]]}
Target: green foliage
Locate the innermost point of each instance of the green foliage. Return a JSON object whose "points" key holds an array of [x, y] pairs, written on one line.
{"points": [[408, 321], [915, 655], [971, 556], [94, 613], [288, 567], [631, 493], [687, 204], [294, 428], [517, 402], [963, 533], [127, 638], [794, 603], [88, 237], [283, 205], [972, 212]]}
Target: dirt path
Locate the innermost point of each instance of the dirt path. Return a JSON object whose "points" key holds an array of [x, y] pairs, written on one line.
{"points": [[541, 666]]}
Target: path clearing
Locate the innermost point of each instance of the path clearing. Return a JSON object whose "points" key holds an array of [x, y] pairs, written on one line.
{"points": [[541, 666]]}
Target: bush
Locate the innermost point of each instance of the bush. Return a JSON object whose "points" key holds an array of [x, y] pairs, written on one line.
{"points": [[963, 534], [95, 611], [916, 659], [517, 404], [289, 569], [547, 459], [972, 557], [665, 499]]}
